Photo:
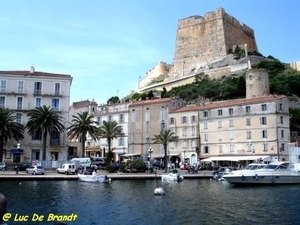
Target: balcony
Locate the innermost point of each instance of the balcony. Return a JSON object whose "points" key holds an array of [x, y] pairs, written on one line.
{"points": [[54, 141]]}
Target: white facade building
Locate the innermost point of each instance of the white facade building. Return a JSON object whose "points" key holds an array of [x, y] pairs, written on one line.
{"points": [[22, 91]]}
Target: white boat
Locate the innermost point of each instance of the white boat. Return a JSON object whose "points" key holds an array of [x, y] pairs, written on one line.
{"points": [[94, 178], [172, 177], [273, 173]]}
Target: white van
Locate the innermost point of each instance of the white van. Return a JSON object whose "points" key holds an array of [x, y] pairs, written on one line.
{"points": [[82, 161], [66, 169]]}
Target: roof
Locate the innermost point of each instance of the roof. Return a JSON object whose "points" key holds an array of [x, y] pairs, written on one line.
{"points": [[222, 104], [150, 102], [35, 73]]}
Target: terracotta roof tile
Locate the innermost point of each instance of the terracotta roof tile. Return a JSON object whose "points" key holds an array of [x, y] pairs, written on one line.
{"points": [[222, 104]]}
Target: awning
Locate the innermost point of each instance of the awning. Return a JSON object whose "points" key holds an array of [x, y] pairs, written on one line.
{"points": [[16, 151], [129, 155], [235, 158], [120, 152], [54, 150], [157, 156]]}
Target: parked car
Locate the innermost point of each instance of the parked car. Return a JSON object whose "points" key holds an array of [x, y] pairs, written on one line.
{"points": [[3, 166], [99, 161], [35, 170], [22, 166], [86, 170], [222, 169], [66, 169], [158, 165]]}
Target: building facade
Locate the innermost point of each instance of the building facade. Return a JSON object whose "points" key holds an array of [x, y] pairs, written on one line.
{"points": [[22, 91]]}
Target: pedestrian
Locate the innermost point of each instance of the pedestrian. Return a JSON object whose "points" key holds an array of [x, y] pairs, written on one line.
{"points": [[3, 207]]}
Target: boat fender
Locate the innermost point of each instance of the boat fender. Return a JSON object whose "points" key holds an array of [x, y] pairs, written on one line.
{"points": [[256, 177], [243, 177], [273, 180]]}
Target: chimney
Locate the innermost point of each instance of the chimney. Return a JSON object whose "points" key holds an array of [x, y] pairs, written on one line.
{"points": [[32, 69]]}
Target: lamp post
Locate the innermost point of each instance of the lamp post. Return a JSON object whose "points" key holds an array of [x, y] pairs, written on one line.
{"points": [[150, 151]]}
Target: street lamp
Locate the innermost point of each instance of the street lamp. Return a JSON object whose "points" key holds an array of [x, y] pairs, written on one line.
{"points": [[150, 151], [18, 146]]}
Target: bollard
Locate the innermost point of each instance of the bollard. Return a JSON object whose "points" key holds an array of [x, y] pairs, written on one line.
{"points": [[17, 171]]}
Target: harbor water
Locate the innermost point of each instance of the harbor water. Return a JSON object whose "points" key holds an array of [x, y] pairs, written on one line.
{"points": [[124, 202]]}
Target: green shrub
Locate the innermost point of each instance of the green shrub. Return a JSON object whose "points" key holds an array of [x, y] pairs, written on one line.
{"points": [[139, 165]]}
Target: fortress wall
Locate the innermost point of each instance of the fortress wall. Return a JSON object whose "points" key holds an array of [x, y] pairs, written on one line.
{"points": [[201, 40]]}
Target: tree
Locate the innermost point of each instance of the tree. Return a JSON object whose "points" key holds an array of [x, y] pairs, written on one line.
{"points": [[9, 128], [110, 130], [81, 125], [113, 99], [44, 120], [164, 138]]}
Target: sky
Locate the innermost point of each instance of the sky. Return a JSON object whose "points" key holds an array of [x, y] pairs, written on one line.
{"points": [[106, 46]]}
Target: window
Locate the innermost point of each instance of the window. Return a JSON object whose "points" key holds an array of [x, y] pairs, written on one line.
{"points": [[263, 120], [121, 141], [264, 134], [205, 114], [99, 119], [162, 126], [163, 115], [2, 101], [248, 134], [37, 88], [133, 118], [19, 118], [172, 120], [193, 119], [230, 123], [219, 124], [205, 137], [231, 135], [282, 147], [280, 106], [38, 102], [55, 104], [184, 145], [249, 147], [263, 107], [248, 122], [20, 87], [282, 133], [281, 119], [184, 119], [184, 132], [19, 102], [109, 118], [220, 148], [231, 148], [147, 116], [57, 89], [206, 149], [3, 86], [220, 112], [55, 138], [265, 147], [205, 125], [37, 137], [193, 131], [248, 109], [220, 136], [230, 111], [121, 118]]}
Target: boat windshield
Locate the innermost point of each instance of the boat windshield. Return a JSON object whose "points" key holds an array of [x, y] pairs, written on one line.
{"points": [[255, 166], [283, 166]]}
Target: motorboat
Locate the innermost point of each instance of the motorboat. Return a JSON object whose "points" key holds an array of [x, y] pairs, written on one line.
{"points": [[273, 173], [94, 178], [172, 177]]}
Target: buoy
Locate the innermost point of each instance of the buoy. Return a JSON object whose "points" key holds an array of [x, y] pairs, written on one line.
{"points": [[159, 191]]}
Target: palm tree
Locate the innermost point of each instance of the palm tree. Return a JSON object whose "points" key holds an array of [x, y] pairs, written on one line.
{"points": [[81, 125], [110, 130], [164, 138], [9, 128], [44, 120]]}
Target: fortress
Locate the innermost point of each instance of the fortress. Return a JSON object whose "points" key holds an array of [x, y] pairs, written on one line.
{"points": [[203, 44]]}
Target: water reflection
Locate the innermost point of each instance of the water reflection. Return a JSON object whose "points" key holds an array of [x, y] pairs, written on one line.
{"points": [[133, 202]]}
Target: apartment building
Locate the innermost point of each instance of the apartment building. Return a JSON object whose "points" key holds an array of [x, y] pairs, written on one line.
{"points": [[243, 129], [148, 118], [22, 91], [102, 112]]}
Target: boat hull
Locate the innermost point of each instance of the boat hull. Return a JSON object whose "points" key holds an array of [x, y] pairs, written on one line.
{"points": [[172, 177], [93, 178], [263, 178]]}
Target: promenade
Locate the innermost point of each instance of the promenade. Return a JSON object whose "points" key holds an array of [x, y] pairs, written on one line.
{"points": [[53, 175]]}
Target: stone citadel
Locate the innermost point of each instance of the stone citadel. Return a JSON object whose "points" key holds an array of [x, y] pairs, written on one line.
{"points": [[203, 44]]}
